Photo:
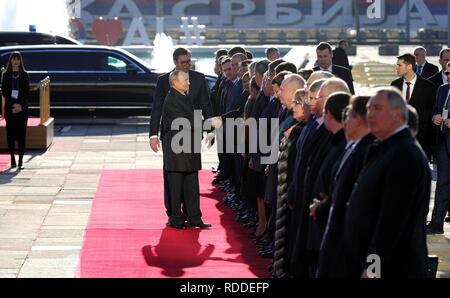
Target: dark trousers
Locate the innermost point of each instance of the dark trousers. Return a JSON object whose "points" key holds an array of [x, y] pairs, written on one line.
{"points": [[184, 187], [167, 195], [167, 203], [442, 194], [16, 130]]}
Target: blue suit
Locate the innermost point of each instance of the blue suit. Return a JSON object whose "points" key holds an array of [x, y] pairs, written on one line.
{"points": [[442, 153]]}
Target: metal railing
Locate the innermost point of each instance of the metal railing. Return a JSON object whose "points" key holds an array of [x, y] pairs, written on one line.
{"points": [[44, 99]]}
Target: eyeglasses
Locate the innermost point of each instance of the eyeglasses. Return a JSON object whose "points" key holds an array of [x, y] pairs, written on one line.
{"points": [[447, 73], [319, 97]]}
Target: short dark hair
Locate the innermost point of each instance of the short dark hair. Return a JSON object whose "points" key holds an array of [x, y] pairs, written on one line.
{"points": [[221, 52], [274, 64], [305, 73], [336, 104], [442, 52], [180, 52], [235, 50], [286, 66], [262, 66], [279, 78], [324, 46], [271, 50], [358, 103], [249, 55], [342, 41], [408, 58]]}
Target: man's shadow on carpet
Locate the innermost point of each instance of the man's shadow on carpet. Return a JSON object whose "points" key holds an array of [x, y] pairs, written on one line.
{"points": [[176, 250]]}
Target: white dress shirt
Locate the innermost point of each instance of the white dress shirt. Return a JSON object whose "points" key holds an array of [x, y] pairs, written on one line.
{"points": [[411, 87]]}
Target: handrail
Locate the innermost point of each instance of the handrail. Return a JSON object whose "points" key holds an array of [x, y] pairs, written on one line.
{"points": [[44, 99]]}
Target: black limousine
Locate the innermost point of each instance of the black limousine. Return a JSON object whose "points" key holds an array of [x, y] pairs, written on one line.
{"points": [[88, 77], [13, 38]]}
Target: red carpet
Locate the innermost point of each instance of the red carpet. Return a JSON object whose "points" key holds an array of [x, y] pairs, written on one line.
{"points": [[31, 122], [4, 161], [127, 237]]}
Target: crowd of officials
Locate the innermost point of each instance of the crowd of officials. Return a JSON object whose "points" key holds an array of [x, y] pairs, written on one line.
{"points": [[352, 183], [349, 193]]}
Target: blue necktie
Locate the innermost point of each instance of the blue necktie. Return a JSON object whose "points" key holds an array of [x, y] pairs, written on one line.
{"points": [[419, 69]]}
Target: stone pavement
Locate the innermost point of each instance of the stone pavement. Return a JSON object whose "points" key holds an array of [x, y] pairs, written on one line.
{"points": [[44, 209]]}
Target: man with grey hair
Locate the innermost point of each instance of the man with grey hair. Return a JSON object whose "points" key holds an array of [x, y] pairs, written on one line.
{"points": [[317, 75], [423, 68], [332, 85], [198, 95], [440, 77], [312, 141], [384, 231], [181, 167], [303, 257]]}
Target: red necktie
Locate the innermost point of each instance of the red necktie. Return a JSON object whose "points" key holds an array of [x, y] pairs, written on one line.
{"points": [[408, 91]]}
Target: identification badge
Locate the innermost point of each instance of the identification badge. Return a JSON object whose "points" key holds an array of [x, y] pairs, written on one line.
{"points": [[444, 114], [15, 94]]}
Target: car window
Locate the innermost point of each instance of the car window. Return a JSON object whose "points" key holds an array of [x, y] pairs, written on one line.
{"points": [[117, 64], [4, 60], [34, 61], [68, 61]]}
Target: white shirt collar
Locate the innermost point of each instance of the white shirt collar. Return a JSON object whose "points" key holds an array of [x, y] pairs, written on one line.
{"points": [[350, 143], [320, 121], [330, 68], [413, 81], [444, 77], [411, 87]]}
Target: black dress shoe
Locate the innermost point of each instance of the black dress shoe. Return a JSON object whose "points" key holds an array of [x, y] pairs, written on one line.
{"points": [[447, 219], [179, 227], [431, 229], [202, 225], [176, 226]]}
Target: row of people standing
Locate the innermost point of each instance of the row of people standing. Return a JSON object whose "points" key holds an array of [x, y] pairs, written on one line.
{"points": [[333, 206], [425, 87]]}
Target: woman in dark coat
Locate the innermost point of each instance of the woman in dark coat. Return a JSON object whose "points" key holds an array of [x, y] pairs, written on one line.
{"points": [[16, 90]]}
